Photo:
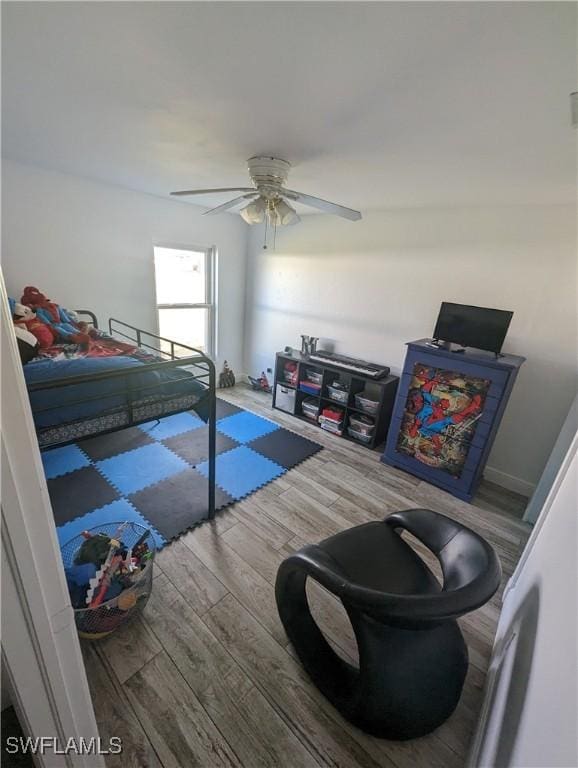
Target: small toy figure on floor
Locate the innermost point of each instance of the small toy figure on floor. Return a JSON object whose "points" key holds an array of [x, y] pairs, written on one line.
{"points": [[226, 377], [261, 384]]}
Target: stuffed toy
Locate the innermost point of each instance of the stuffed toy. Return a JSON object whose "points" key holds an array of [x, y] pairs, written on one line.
{"points": [[25, 319], [226, 377], [61, 322], [27, 344], [82, 325]]}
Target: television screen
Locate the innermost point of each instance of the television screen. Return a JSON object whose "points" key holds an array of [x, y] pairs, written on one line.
{"points": [[469, 326]]}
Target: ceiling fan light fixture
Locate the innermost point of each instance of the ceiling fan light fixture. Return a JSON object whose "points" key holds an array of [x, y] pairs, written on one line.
{"points": [[286, 215], [268, 175], [254, 213]]}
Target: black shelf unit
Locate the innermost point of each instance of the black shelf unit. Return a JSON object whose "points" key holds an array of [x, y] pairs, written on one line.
{"points": [[289, 397]]}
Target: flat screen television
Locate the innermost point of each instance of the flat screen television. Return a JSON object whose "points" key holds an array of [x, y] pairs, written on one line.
{"points": [[469, 326]]}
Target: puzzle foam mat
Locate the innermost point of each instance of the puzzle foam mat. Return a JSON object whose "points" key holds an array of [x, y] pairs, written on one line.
{"points": [[156, 474]]}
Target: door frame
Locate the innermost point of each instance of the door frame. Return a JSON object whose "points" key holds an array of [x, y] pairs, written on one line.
{"points": [[41, 652]]}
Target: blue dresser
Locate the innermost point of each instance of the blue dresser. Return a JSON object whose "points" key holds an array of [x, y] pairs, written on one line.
{"points": [[446, 414]]}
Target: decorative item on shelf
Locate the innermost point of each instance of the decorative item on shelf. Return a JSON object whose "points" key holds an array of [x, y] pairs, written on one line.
{"points": [[308, 344], [226, 377], [261, 384]]}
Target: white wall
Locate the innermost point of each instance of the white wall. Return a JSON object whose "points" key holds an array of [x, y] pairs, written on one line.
{"points": [[366, 286], [530, 709], [89, 245], [370, 286]]}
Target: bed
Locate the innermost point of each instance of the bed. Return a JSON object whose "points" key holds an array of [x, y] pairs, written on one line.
{"points": [[125, 377]]}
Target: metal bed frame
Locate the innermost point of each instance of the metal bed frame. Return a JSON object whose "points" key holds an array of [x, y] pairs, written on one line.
{"points": [[197, 366]]}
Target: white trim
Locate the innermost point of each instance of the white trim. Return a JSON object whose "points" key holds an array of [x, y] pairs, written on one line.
{"points": [[182, 246], [542, 517], [40, 648], [510, 482], [212, 277]]}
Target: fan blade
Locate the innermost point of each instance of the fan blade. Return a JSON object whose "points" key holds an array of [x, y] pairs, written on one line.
{"points": [[230, 204], [322, 205], [209, 191]]}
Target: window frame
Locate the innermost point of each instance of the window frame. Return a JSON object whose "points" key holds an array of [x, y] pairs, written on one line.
{"points": [[210, 252]]}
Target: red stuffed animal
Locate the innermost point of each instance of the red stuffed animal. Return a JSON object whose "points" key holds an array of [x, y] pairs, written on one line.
{"points": [[34, 299], [58, 319]]}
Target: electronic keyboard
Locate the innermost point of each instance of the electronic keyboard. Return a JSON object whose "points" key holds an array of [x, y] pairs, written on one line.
{"points": [[372, 370]]}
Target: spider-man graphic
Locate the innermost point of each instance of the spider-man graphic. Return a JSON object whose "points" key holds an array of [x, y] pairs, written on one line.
{"points": [[431, 412]]}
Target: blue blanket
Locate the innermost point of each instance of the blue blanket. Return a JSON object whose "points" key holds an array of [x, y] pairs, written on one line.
{"points": [[52, 407]]}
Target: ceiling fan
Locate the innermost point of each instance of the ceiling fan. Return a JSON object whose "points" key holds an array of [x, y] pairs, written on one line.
{"points": [[269, 196]]}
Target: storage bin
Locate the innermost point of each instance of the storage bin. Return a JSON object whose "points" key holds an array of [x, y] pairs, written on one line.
{"points": [[289, 376], [363, 424], [359, 436], [336, 427], [310, 409], [310, 387], [366, 404], [339, 395], [333, 414], [314, 376], [285, 398]]}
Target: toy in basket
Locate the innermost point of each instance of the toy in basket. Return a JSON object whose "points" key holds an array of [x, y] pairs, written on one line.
{"points": [[109, 571]]}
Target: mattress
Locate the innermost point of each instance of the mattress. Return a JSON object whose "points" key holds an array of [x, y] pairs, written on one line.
{"points": [[133, 392]]}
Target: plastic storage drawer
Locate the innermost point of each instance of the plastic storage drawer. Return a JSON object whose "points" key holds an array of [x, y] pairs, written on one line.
{"points": [[362, 424], [338, 395], [314, 376], [359, 436], [366, 405], [285, 398], [310, 409], [336, 427], [310, 387]]}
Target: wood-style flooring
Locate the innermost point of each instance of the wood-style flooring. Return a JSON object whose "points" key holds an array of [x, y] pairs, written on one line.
{"points": [[207, 678]]}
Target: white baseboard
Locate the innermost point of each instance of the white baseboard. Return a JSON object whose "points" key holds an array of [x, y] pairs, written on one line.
{"points": [[510, 482]]}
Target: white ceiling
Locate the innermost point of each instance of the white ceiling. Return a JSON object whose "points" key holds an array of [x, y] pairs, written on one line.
{"points": [[376, 104]]}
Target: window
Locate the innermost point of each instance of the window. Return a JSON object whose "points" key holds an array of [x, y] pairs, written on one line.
{"points": [[185, 296]]}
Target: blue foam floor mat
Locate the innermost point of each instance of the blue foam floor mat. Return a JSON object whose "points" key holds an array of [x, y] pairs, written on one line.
{"points": [[156, 474]]}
